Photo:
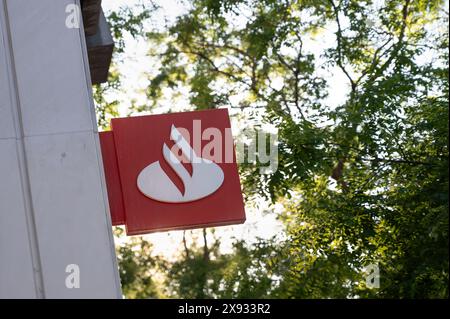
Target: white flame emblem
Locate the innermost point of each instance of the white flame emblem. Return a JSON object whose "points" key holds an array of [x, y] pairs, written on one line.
{"points": [[206, 176]]}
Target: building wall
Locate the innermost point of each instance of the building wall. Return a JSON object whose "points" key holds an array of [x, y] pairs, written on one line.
{"points": [[53, 205]]}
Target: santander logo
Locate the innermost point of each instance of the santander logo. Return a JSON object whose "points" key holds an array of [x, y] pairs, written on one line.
{"points": [[205, 179], [172, 171]]}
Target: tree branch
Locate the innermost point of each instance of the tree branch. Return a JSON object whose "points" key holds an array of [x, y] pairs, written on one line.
{"points": [[339, 46], [186, 249], [205, 246]]}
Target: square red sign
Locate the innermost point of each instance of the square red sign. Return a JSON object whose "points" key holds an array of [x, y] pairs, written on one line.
{"points": [[177, 171]]}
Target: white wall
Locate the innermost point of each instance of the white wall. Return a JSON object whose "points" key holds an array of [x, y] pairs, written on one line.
{"points": [[53, 207]]}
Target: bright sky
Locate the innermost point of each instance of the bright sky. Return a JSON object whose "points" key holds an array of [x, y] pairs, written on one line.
{"points": [[261, 221]]}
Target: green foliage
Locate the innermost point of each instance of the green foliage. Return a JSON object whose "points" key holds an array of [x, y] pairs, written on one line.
{"points": [[249, 271], [129, 20], [105, 107], [363, 181], [138, 268]]}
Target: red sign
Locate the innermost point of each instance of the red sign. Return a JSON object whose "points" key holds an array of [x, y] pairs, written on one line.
{"points": [[172, 171]]}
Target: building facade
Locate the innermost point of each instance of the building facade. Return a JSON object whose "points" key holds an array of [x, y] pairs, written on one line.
{"points": [[55, 230]]}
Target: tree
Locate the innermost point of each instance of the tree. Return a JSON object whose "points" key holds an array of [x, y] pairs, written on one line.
{"points": [[248, 271], [363, 181], [138, 268]]}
